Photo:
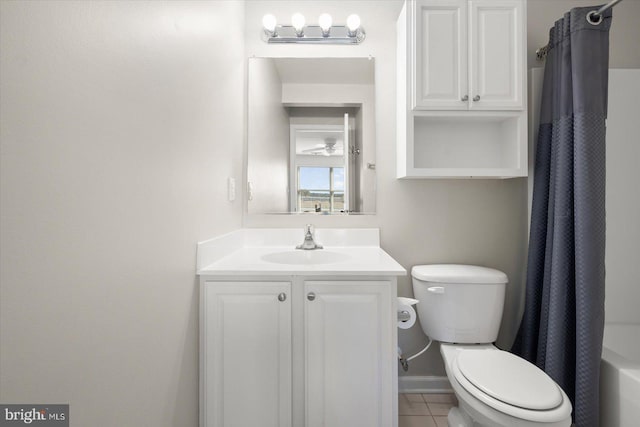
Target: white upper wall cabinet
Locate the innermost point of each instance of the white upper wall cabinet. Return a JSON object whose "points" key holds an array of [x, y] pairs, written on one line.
{"points": [[466, 54], [461, 89]]}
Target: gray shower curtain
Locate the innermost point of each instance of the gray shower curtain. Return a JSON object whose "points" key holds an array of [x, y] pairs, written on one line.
{"points": [[562, 326]]}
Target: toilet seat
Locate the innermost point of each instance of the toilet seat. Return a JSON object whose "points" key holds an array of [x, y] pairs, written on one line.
{"points": [[495, 377], [501, 375]]}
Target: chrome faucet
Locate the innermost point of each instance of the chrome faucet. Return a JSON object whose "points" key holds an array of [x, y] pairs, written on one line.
{"points": [[309, 243]]}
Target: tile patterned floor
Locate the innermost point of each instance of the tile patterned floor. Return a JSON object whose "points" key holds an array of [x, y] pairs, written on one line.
{"points": [[424, 410]]}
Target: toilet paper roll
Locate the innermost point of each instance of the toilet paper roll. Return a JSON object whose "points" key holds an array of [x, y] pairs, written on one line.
{"points": [[405, 305]]}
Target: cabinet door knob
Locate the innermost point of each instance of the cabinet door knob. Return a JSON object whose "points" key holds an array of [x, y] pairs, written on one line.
{"points": [[282, 297], [311, 296], [476, 98], [465, 98]]}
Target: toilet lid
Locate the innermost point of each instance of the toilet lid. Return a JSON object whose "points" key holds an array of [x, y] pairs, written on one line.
{"points": [[508, 378]]}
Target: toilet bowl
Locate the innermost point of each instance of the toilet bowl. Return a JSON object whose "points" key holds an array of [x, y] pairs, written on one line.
{"points": [[521, 395], [461, 306]]}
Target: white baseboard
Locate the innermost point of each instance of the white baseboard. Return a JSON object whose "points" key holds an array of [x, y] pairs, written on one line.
{"points": [[416, 384]]}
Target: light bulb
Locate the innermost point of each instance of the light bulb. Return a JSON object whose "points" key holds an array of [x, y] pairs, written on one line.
{"points": [[353, 23], [297, 21], [325, 21], [269, 22]]}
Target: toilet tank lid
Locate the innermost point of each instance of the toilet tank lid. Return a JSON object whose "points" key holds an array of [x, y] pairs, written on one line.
{"points": [[458, 273]]}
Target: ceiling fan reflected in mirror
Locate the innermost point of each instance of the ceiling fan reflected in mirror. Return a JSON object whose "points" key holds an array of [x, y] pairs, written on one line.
{"points": [[328, 148]]}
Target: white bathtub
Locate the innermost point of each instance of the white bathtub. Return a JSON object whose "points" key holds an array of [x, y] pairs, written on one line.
{"points": [[620, 376]]}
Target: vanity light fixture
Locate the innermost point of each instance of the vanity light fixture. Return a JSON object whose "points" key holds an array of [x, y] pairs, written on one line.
{"points": [[323, 33]]}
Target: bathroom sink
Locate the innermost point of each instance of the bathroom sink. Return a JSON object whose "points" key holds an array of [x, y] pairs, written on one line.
{"points": [[305, 257]]}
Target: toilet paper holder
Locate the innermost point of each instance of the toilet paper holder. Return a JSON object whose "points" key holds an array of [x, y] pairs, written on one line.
{"points": [[405, 313], [403, 316]]}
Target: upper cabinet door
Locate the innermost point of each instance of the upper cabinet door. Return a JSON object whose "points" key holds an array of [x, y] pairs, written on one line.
{"points": [[496, 54], [439, 54]]}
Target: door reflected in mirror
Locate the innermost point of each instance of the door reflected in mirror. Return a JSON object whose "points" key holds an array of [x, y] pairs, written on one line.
{"points": [[311, 143]]}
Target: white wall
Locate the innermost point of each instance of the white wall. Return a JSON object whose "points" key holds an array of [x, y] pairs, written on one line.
{"points": [[267, 139], [623, 198], [120, 123], [421, 221]]}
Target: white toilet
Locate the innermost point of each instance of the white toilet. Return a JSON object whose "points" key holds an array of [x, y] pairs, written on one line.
{"points": [[461, 306]]}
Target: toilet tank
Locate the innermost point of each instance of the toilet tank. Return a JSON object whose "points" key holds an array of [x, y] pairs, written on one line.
{"points": [[459, 303]]}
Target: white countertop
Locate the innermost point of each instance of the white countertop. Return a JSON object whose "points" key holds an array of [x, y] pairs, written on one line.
{"points": [[346, 252]]}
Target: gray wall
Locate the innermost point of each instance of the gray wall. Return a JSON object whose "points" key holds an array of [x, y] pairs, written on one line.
{"points": [[120, 123], [625, 29]]}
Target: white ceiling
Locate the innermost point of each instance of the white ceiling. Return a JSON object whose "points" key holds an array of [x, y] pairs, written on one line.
{"points": [[311, 139]]}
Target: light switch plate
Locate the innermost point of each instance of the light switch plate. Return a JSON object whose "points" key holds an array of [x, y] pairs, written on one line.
{"points": [[231, 189]]}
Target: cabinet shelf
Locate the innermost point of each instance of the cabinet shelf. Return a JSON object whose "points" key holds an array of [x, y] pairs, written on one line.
{"points": [[464, 145]]}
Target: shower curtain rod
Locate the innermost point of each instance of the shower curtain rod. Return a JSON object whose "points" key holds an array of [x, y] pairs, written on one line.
{"points": [[594, 17]]}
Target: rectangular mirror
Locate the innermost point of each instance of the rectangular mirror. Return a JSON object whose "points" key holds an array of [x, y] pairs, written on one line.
{"points": [[311, 136]]}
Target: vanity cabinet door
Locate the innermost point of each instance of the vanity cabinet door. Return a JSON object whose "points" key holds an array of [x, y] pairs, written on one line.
{"points": [[440, 54], [349, 354], [497, 54], [246, 359]]}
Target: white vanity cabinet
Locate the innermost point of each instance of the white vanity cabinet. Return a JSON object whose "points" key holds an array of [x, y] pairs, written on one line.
{"points": [[466, 55], [298, 351], [461, 109]]}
